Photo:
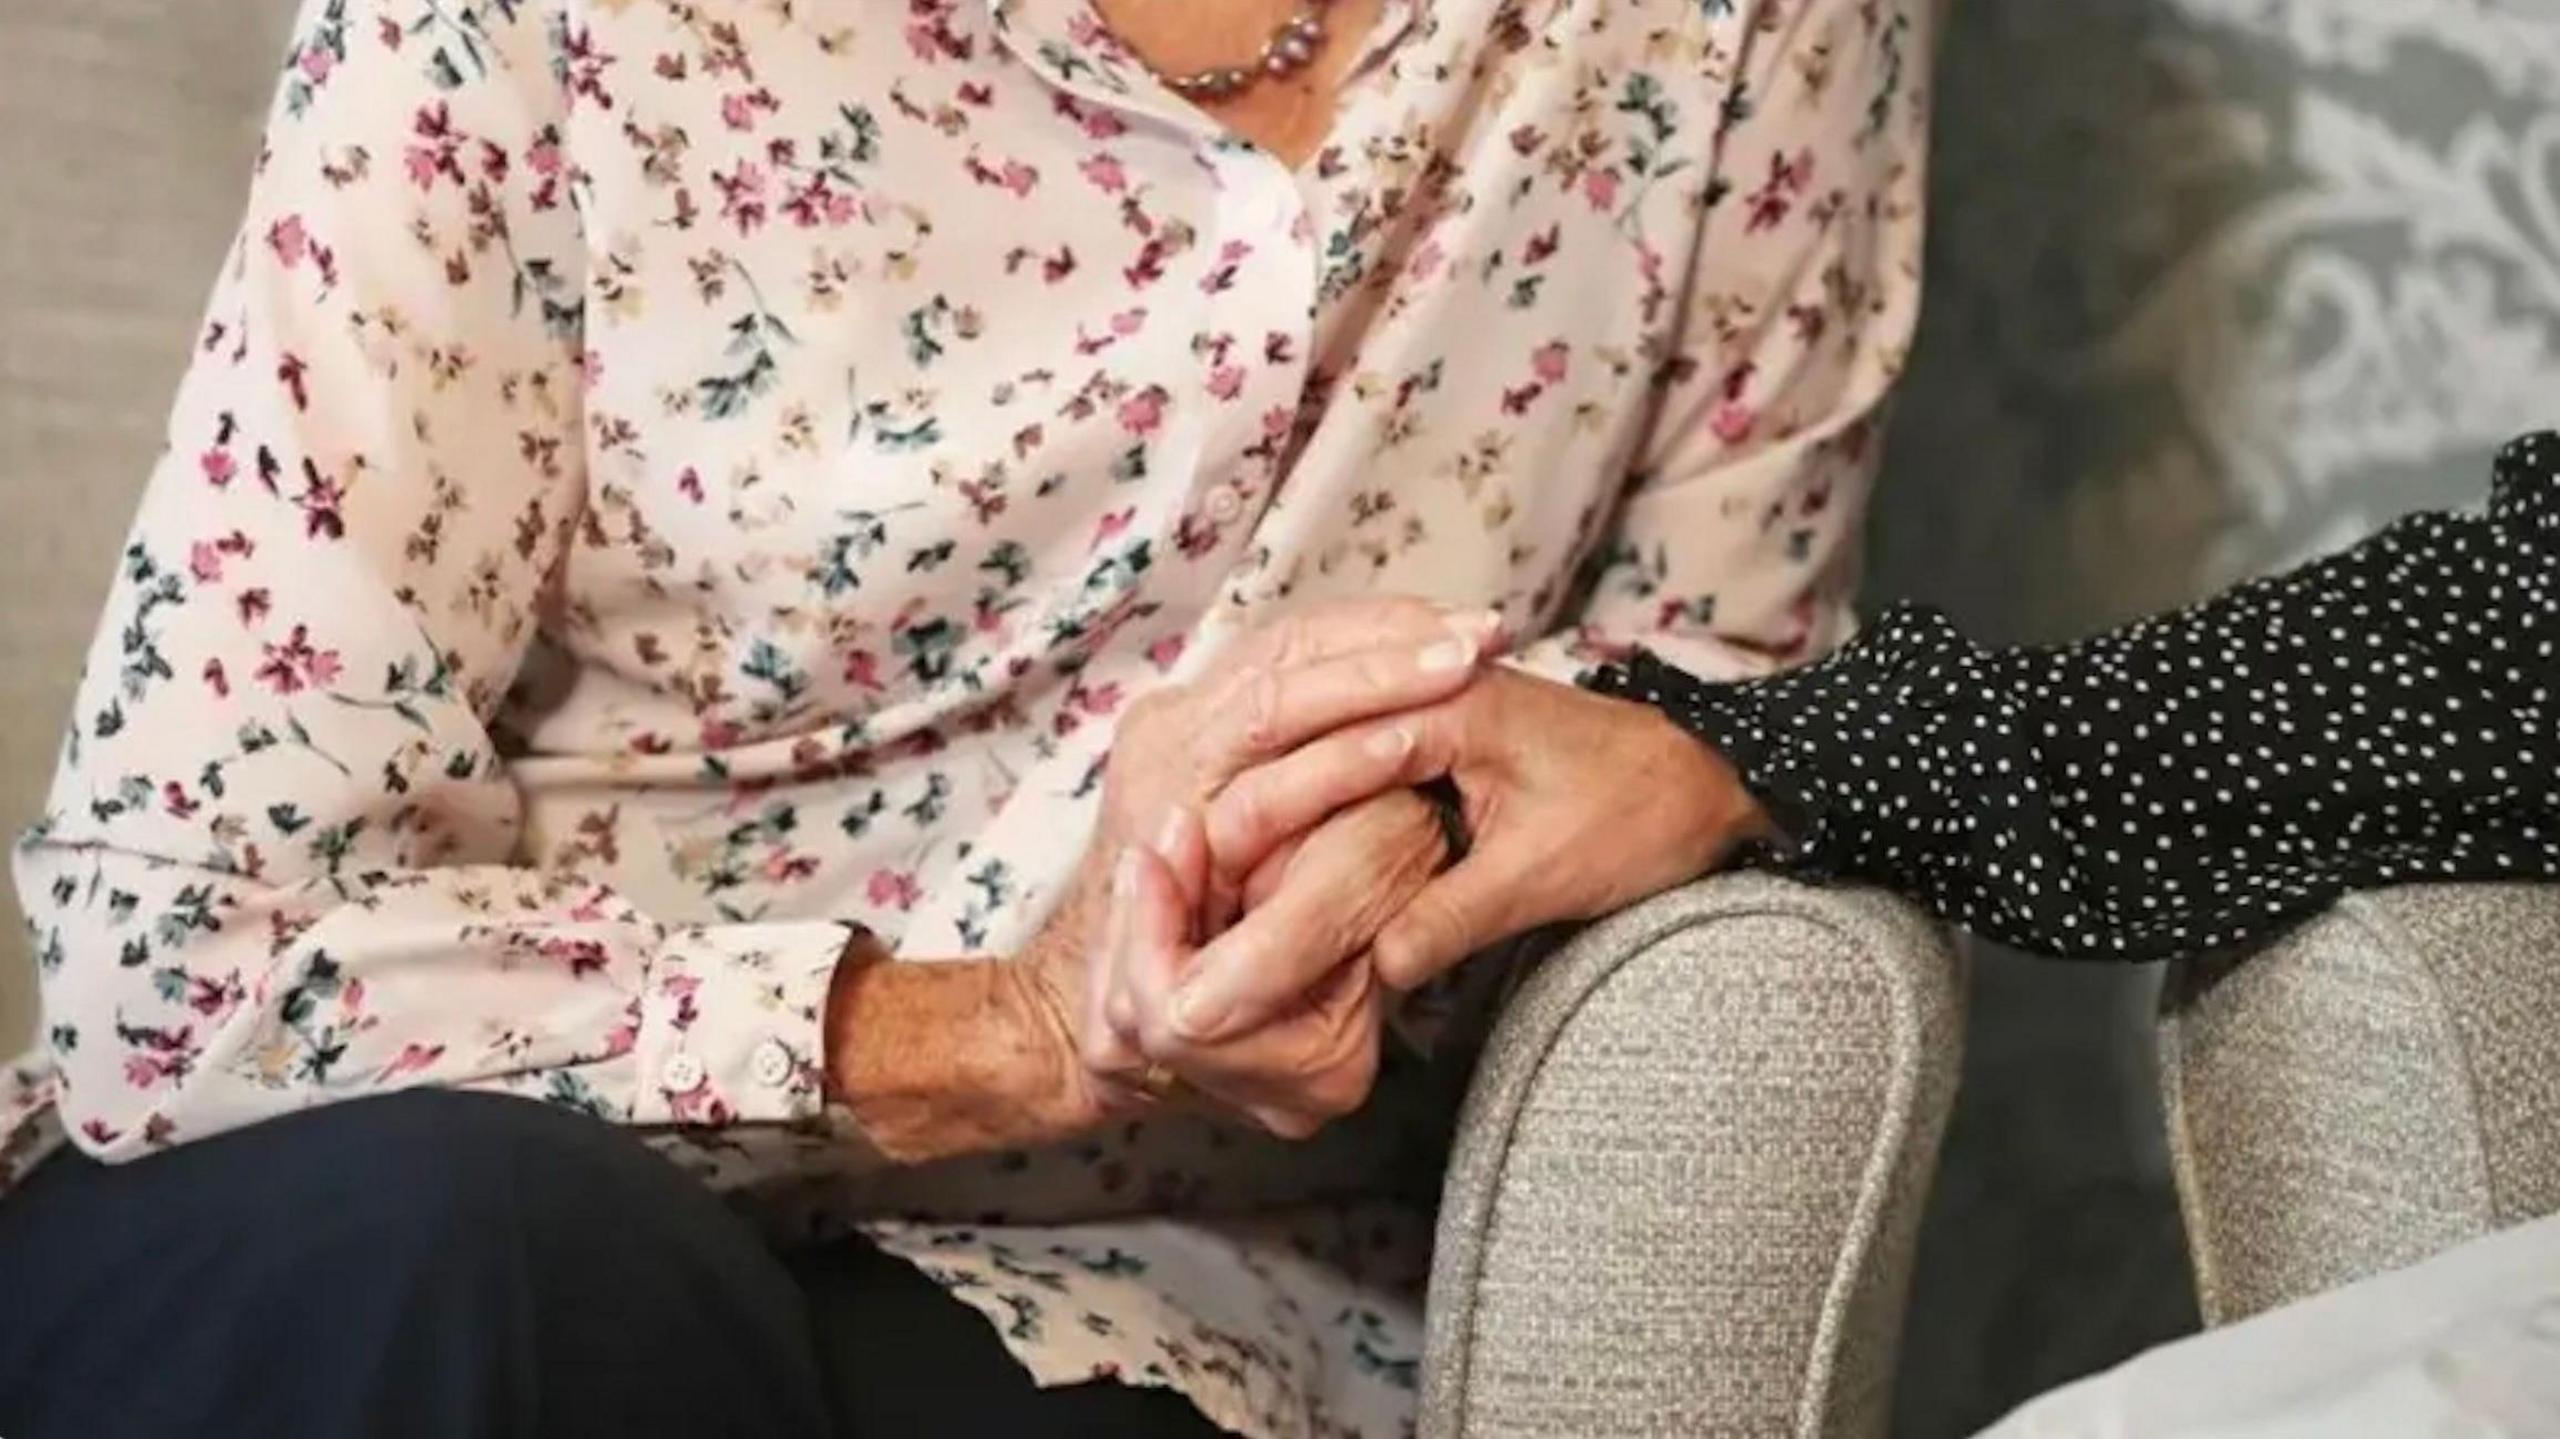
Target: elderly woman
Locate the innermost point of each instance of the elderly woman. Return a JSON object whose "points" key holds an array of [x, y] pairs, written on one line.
{"points": [[678, 502]]}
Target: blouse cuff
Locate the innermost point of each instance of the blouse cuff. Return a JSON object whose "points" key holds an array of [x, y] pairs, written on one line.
{"points": [[729, 1026], [1810, 743], [1748, 723]]}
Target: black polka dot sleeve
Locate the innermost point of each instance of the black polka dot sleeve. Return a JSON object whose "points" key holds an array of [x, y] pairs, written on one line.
{"points": [[2195, 780]]}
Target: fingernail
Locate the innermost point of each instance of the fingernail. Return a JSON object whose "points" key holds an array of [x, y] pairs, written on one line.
{"points": [[1393, 742], [1477, 626], [1169, 838], [1124, 875], [1447, 655], [1198, 1012]]}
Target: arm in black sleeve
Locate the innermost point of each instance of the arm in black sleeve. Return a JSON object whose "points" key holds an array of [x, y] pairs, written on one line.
{"points": [[2194, 780]]}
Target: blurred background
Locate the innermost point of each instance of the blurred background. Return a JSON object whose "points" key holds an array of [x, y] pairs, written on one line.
{"points": [[2213, 285]]}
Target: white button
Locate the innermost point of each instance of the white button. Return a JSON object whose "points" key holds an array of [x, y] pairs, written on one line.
{"points": [[771, 1064], [683, 1074], [1225, 504]]}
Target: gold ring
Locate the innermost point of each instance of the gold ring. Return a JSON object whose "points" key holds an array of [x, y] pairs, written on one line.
{"points": [[1159, 1082]]}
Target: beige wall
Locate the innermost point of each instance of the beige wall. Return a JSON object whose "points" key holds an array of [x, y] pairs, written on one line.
{"points": [[126, 129]]}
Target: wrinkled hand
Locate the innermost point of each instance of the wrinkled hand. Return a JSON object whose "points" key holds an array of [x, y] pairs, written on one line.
{"points": [[1305, 675], [1577, 805], [1316, 1057]]}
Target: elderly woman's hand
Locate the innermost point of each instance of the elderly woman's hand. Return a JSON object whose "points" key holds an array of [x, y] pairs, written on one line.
{"points": [[1310, 673], [1577, 805], [1315, 1059], [968, 1055]]}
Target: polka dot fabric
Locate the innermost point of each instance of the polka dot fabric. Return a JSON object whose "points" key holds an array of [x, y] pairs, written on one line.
{"points": [[2192, 781]]}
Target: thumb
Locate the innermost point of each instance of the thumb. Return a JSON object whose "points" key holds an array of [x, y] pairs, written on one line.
{"points": [[1480, 903]]}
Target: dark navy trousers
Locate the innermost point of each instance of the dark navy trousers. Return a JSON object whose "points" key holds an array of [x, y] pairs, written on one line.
{"points": [[452, 1266]]}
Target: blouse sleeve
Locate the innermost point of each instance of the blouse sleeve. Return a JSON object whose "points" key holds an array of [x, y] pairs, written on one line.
{"points": [[1735, 550], [279, 863], [2196, 780]]}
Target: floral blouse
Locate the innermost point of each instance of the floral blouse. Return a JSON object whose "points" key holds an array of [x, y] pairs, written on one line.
{"points": [[2195, 781], [662, 478]]}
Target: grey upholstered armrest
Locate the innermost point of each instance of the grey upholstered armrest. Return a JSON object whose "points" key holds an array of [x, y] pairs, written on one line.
{"points": [[2381, 1085], [1690, 1170]]}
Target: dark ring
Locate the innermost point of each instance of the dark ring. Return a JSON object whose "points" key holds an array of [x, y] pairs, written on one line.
{"points": [[1450, 807]]}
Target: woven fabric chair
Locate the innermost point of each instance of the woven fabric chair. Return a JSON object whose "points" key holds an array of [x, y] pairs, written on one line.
{"points": [[1690, 1173], [2382, 1085]]}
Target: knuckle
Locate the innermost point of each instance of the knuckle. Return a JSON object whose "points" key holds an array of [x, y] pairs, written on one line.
{"points": [[1428, 921], [1132, 741], [1246, 816], [1290, 637], [1373, 611], [1410, 618], [1293, 1125], [1149, 711], [1357, 1076], [1339, 1099], [1378, 672], [1400, 958], [1258, 710], [1157, 1039], [1101, 1052]]}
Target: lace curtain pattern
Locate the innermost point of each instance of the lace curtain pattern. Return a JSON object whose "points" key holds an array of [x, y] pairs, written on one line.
{"points": [[2215, 284]]}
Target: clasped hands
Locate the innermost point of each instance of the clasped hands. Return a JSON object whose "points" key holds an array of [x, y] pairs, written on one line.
{"points": [[1265, 879]]}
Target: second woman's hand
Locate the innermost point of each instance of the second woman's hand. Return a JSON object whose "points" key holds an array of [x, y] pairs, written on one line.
{"points": [[1577, 805]]}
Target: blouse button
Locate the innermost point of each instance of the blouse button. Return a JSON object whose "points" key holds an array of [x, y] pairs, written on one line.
{"points": [[771, 1064], [1225, 505], [683, 1074]]}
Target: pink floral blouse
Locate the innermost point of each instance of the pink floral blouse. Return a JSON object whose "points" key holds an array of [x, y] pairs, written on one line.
{"points": [[659, 478]]}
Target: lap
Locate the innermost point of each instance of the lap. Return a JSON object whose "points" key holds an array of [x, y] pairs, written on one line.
{"points": [[908, 1359], [429, 1263], [442, 1264]]}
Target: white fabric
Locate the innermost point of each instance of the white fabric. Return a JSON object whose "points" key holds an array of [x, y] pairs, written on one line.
{"points": [[2463, 1346]]}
